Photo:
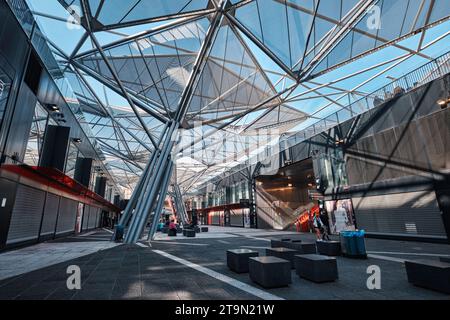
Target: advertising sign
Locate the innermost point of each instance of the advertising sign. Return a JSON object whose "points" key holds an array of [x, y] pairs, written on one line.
{"points": [[341, 215]]}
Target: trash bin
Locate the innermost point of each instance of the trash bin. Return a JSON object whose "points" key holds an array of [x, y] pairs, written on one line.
{"points": [[360, 243], [118, 234], [353, 244]]}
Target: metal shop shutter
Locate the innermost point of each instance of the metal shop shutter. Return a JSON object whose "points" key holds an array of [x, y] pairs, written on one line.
{"points": [[236, 218], [85, 217], [93, 217], [50, 215], [412, 213], [67, 216], [26, 215], [99, 216]]}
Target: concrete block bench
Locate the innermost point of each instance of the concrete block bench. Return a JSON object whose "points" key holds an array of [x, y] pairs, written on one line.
{"points": [[316, 268], [190, 233], [430, 274], [329, 248], [237, 259], [197, 229], [309, 248], [270, 272], [294, 245], [172, 233], [445, 259], [204, 229], [283, 253], [276, 243]]}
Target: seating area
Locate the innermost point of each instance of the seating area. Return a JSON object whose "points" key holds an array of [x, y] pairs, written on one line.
{"points": [[285, 254]]}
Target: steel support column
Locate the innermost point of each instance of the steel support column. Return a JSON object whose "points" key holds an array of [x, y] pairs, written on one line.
{"points": [[141, 215], [162, 197]]}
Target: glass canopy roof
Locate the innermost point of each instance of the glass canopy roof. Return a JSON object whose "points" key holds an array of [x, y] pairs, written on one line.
{"points": [[251, 70]]}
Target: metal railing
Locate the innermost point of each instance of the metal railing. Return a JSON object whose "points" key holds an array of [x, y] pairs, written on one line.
{"points": [[410, 81]]}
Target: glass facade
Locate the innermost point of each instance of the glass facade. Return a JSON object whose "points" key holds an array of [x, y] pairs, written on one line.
{"points": [[36, 136], [72, 155], [5, 87], [330, 168]]}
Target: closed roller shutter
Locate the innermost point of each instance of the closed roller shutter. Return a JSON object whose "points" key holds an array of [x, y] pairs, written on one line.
{"points": [[413, 213], [93, 217], [99, 215], [85, 217], [50, 215], [67, 216], [236, 218], [26, 215]]}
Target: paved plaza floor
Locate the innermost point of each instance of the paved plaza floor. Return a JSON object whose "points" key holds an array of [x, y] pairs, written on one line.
{"points": [[195, 268]]}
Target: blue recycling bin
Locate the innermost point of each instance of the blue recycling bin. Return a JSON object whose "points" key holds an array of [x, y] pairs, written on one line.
{"points": [[118, 234], [360, 242], [353, 244]]}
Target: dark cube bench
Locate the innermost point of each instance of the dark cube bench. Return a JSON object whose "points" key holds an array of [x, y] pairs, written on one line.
{"points": [[445, 259], [190, 233], [270, 272], [197, 229], [172, 233], [283, 253], [316, 268], [276, 243], [204, 229], [294, 245], [309, 247], [329, 248], [429, 274], [237, 259]]}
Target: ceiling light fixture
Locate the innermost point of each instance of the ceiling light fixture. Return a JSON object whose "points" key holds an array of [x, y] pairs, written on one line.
{"points": [[443, 102]]}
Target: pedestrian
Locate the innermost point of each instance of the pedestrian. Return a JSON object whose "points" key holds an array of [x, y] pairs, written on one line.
{"points": [[325, 226], [318, 226]]}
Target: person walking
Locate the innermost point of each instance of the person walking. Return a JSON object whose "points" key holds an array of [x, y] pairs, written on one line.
{"points": [[318, 226], [325, 225]]}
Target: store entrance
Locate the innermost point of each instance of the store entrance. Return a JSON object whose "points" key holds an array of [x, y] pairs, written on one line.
{"points": [[281, 198]]}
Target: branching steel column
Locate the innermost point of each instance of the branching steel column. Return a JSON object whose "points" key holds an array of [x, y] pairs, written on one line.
{"points": [[142, 185], [141, 215], [155, 185], [137, 191], [162, 197], [178, 198]]}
